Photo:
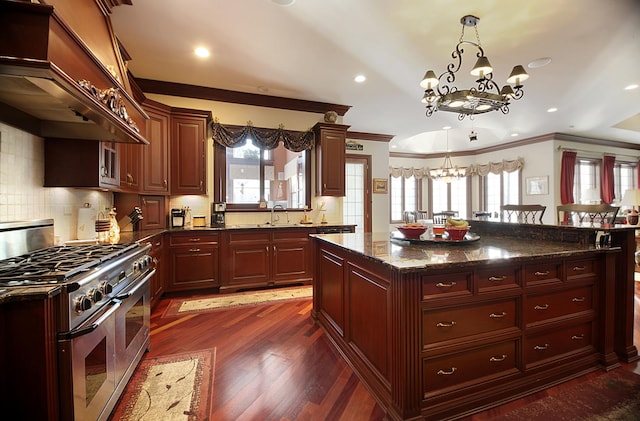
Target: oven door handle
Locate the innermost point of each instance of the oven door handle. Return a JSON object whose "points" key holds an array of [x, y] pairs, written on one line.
{"points": [[140, 283], [76, 333]]}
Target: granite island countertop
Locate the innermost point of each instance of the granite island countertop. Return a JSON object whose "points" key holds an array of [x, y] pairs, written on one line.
{"points": [[405, 256]]}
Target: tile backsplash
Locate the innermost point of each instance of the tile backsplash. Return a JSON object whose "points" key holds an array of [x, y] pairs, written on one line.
{"points": [[22, 195]]}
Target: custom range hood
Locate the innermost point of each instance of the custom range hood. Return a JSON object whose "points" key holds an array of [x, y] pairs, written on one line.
{"points": [[62, 74]]}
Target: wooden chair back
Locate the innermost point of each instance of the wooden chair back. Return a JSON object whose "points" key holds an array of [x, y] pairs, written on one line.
{"points": [[441, 217], [526, 214], [594, 214]]}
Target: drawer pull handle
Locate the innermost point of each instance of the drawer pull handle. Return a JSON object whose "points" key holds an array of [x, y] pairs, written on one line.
{"points": [[446, 324], [578, 299], [545, 273], [447, 372], [194, 250], [498, 359], [497, 278], [578, 268], [445, 285], [541, 347], [194, 240], [578, 337], [497, 316], [541, 307]]}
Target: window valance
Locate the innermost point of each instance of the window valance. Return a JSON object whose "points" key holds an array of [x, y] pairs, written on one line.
{"points": [[474, 169], [235, 136]]}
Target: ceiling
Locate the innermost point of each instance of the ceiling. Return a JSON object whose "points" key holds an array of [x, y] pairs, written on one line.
{"points": [[313, 49]]}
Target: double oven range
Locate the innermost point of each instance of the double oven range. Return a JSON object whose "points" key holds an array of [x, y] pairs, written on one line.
{"points": [[102, 315]]}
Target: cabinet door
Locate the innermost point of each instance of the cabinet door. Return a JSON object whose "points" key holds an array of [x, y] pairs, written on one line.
{"points": [[330, 159], [154, 212], [109, 169], [159, 261], [130, 160], [248, 259], [193, 267], [155, 155], [291, 251], [188, 155]]}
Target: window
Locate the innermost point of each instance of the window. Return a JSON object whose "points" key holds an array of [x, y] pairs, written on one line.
{"points": [[249, 175], [449, 196], [586, 184], [623, 175], [501, 189], [404, 194]]}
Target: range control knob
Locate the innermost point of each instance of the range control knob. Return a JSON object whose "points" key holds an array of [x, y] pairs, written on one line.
{"points": [[94, 295], [105, 288], [82, 303]]}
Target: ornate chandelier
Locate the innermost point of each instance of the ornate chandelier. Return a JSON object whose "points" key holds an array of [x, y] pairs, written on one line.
{"points": [[447, 172], [486, 96]]}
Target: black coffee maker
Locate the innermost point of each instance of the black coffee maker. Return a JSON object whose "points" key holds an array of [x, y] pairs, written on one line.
{"points": [[217, 214]]}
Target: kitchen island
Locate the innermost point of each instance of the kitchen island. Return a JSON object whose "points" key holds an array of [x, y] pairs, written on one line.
{"points": [[439, 331]]}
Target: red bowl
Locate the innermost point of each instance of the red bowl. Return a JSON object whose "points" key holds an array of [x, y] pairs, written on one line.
{"points": [[413, 232], [456, 234]]}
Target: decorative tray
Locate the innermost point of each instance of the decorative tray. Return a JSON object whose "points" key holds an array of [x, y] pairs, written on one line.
{"points": [[470, 237]]}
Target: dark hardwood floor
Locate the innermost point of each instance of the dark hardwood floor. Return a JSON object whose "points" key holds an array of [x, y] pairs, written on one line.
{"points": [[274, 363]]}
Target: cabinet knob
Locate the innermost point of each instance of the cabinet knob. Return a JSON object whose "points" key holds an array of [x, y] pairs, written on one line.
{"points": [[194, 250], [164, 183]]}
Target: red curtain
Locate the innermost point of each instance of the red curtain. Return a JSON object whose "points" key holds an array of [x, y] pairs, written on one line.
{"points": [[567, 173], [606, 185]]}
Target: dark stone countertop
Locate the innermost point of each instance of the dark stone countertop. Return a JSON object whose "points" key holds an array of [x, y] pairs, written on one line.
{"points": [[405, 256]]}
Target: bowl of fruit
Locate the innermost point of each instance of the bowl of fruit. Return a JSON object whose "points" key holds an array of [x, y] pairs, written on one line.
{"points": [[456, 229], [412, 230]]}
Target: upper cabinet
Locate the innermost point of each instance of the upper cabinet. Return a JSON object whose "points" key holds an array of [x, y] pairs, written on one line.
{"points": [[155, 156], [189, 130], [62, 74], [330, 158], [130, 157]]}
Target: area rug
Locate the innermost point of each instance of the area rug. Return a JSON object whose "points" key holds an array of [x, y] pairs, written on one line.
{"points": [[222, 301], [177, 387], [611, 396]]}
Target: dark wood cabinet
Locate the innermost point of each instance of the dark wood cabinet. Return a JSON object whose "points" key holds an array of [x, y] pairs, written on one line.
{"points": [[266, 257], [158, 281], [193, 261], [330, 158], [81, 163], [155, 155], [130, 162], [189, 151], [153, 207]]}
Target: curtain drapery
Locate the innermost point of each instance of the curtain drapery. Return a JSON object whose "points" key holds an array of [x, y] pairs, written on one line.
{"points": [[607, 191], [481, 169], [567, 174], [235, 136]]}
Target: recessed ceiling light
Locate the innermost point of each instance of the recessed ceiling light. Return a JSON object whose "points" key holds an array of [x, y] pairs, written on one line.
{"points": [[631, 87], [552, 110], [284, 2], [202, 52], [360, 78], [446, 127], [515, 134], [394, 146], [539, 62]]}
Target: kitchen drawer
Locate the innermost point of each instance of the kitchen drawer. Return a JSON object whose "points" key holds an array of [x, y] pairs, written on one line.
{"points": [[447, 285], [450, 371], [250, 236], [545, 346], [543, 274], [558, 304], [581, 269], [181, 239], [461, 322], [498, 278]]}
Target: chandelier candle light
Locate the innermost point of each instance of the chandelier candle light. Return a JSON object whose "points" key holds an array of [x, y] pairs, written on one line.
{"points": [[447, 172], [486, 96]]}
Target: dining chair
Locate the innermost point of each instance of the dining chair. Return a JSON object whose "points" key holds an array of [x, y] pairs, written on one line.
{"points": [[441, 217], [580, 213], [409, 216], [526, 214]]}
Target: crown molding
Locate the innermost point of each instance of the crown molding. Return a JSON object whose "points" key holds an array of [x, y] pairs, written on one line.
{"points": [[376, 137]]}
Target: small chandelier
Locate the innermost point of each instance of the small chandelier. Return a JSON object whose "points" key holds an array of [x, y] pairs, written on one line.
{"points": [[486, 96], [447, 172]]}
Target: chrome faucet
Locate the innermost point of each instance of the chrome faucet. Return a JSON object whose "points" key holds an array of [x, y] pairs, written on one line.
{"points": [[275, 218]]}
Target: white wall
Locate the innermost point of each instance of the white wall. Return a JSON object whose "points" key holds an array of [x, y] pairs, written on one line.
{"points": [[22, 196]]}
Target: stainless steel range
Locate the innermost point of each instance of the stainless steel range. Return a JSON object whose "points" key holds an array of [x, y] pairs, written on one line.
{"points": [[103, 319]]}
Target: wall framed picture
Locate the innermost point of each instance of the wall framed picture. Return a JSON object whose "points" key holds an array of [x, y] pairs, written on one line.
{"points": [[380, 185], [537, 185]]}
